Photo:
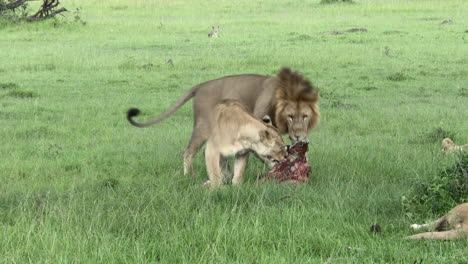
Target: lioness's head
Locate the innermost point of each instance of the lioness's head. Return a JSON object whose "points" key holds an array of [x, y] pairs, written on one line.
{"points": [[270, 148], [447, 142], [297, 111]]}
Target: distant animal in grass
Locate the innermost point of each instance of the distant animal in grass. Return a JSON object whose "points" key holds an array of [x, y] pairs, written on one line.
{"points": [[375, 228], [234, 132], [449, 146], [214, 33], [447, 21], [453, 225]]}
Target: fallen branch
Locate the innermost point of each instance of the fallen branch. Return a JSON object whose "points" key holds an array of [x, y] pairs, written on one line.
{"points": [[13, 5], [52, 14], [46, 11]]}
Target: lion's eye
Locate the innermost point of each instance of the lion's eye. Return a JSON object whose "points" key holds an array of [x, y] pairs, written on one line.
{"points": [[290, 117], [305, 117]]}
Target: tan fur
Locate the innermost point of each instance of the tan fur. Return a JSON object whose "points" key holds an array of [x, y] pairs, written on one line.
{"points": [[449, 146], [236, 131], [214, 33], [296, 106], [288, 98], [453, 225]]}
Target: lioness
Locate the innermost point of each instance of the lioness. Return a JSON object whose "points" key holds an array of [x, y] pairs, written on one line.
{"points": [[453, 225], [449, 146], [288, 98], [236, 131]]}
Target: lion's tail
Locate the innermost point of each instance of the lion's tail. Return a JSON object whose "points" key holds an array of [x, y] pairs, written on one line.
{"points": [[132, 112]]}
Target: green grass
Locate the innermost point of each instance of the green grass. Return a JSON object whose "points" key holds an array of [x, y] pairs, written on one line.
{"points": [[78, 184]]}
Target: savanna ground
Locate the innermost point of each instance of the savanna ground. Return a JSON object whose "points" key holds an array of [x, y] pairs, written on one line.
{"points": [[78, 184]]}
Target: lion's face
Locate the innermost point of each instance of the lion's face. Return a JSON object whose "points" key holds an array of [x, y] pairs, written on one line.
{"points": [[271, 148], [296, 110], [296, 119]]}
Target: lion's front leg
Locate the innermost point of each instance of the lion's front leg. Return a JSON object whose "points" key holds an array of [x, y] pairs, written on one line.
{"points": [[443, 235], [212, 159], [239, 168]]}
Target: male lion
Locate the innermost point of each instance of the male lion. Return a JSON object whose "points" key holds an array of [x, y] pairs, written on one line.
{"points": [[453, 225], [236, 131], [288, 98]]}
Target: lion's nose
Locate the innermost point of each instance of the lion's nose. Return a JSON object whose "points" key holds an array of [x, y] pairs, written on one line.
{"points": [[295, 138]]}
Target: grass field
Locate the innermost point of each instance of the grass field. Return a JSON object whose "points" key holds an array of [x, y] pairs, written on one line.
{"points": [[78, 184]]}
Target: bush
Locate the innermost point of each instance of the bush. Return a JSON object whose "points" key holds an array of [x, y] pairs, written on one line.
{"points": [[16, 14], [436, 135], [443, 192]]}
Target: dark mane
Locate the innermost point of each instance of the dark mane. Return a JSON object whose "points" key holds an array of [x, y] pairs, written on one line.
{"points": [[295, 87]]}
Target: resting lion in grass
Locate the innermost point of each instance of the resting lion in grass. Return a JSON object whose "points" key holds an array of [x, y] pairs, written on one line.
{"points": [[449, 146], [236, 131], [453, 225], [288, 98]]}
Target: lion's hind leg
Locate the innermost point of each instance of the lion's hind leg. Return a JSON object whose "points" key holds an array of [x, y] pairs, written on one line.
{"points": [[199, 136]]}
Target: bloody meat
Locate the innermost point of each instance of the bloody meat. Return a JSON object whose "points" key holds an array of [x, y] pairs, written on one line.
{"points": [[294, 169]]}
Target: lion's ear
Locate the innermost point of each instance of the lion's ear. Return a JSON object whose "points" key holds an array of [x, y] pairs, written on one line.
{"points": [[267, 120]]}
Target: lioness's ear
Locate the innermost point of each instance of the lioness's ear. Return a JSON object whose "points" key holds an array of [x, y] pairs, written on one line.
{"points": [[264, 135], [267, 120]]}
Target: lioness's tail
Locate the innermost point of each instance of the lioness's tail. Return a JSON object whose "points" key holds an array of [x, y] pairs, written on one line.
{"points": [[132, 112]]}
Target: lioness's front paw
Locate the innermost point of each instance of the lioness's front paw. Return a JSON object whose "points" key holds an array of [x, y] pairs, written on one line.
{"points": [[207, 183], [415, 226]]}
